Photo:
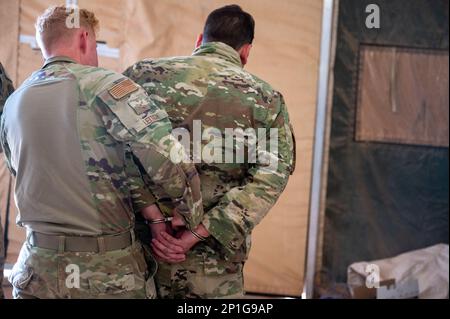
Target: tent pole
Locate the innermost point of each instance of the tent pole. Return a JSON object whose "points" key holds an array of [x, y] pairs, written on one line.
{"points": [[319, 145]]}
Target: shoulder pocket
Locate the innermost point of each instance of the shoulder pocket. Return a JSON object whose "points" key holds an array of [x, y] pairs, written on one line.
{"points": [[115, 283], [132, 106]]}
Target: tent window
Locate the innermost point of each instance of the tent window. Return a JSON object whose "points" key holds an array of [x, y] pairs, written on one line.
{"points": [[403, 96]]}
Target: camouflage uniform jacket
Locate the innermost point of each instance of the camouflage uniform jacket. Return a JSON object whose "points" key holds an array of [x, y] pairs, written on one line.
{"points": [[212, 86], [65, 133]]}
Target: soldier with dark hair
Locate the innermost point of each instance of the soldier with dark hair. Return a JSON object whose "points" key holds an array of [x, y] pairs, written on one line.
{"points": [[211, 86]]}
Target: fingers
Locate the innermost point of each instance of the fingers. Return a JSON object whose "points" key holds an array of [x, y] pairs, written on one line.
{"points": [[160, 257], [167, 246], [168, 249], [163, 253], [172, 243], [163, 248], [157, 228]]}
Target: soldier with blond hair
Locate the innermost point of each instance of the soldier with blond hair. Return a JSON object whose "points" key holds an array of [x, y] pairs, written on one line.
{"points": [[65, 134]]}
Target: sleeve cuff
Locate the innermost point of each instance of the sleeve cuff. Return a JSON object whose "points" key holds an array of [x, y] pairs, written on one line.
{"points": [[224, 230], [142, 200]]}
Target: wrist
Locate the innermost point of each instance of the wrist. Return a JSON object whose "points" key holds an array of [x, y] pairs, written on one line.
{"points": [[152, 213], [188, 240], [202, 231], [158, 221]]}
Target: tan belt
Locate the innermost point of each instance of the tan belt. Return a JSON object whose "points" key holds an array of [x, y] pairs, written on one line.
{"points": [[81, 244]]}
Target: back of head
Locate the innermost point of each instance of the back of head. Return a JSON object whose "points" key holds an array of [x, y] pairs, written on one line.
{"points": [[230, 25], [58, 25]]}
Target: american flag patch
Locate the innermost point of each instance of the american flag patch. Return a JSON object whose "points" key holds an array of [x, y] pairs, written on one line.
{"points": [[122, 89]]}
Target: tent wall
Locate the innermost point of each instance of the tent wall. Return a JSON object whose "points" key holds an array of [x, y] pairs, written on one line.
{"points": [[385, 198], [9, 26], [108, 12], [285, 53], [15, 235]]}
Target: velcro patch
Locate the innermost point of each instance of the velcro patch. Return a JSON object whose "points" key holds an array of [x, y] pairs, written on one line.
{"points": [[149, 120], [140, 104], [122, 89]]}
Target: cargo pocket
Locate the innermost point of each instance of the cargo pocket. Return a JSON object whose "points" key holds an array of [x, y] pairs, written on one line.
{"points": [[114, 284], [218, 262], [213, 266], [220, 268]]}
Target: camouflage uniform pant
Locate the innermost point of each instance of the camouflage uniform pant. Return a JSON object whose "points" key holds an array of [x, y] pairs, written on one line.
{"points": [[204, 274], [196, 279], [45, 274]]}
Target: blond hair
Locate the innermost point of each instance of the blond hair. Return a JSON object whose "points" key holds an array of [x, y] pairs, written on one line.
{"points": [[58, 22]]}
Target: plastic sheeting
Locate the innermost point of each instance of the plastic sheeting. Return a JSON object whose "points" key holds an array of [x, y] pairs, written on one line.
{"points": [[285, 54], [382, 199], [428, 266]]}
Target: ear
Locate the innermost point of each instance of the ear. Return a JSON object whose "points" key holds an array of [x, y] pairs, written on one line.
{"points": [[41, 46], [244, 53], [199, 40], [84, 38]]}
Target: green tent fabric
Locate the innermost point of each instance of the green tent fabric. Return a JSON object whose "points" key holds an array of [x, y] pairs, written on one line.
{"points": [[382, 199]]}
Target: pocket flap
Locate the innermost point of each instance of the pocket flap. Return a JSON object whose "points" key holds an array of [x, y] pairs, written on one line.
{"points": [[113, 284]]}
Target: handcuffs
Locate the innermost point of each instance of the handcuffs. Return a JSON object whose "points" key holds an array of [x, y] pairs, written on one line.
{"points": [[168, 220]]}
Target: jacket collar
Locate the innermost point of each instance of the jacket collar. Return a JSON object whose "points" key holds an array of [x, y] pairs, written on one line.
{"points": [[58, 59], [219, 50]]}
